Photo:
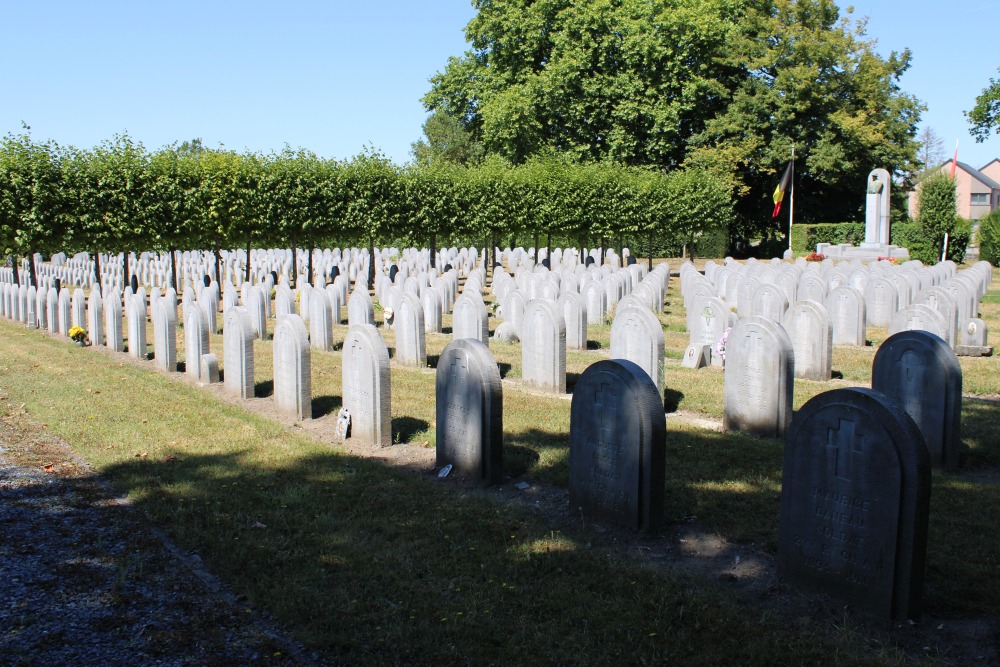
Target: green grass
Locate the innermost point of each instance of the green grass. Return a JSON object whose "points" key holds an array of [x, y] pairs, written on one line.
{"points": [[363, 561]]}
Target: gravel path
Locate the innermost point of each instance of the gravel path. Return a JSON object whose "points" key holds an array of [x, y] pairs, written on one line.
{"points": [[85, 581]]}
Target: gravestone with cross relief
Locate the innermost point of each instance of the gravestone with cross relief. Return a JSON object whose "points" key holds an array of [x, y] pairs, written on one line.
{"points": [[636, 335], [365, 382], [469, 411], [854, 503], [758, 384], [921, 372], [617, 445], [237, 351], [919, 317], [292, 368], [543, 346]]}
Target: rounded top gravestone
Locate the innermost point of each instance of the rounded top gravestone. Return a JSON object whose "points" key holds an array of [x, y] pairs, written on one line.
{"points": [[854, 502], [617, 446], [920, 371]]}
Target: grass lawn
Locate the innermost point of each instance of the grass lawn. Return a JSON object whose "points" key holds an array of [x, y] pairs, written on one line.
{"points": [[366, 562]]}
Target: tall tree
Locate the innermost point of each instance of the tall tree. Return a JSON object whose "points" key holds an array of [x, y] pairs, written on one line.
{"points": [[727, 86], [931, 152], [446, 141], [985, 116]]}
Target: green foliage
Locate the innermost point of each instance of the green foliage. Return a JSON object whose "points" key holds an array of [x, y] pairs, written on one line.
{"points": [[446, 141], [936, 217], [984, 118], [904, 234], [119, 197], [958, 243], [989, 238], [805, 237], [712, 84]]}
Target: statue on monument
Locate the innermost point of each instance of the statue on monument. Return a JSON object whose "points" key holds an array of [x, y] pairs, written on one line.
{"points": [[877, 209]]}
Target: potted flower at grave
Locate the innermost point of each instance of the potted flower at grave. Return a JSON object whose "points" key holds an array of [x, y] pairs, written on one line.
{"points": [[720, 347], [79, 335]]}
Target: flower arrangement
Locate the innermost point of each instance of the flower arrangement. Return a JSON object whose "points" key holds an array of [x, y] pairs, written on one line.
{"points": [[815, 257], [78, 334], [891, 260], [720, 347]]}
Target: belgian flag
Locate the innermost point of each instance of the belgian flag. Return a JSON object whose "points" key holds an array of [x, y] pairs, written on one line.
{"points": [[783, 185]]}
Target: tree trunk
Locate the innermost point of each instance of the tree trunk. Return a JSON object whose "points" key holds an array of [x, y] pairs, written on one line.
{"points": [[649, 247], [97, 271], [247, 276], [548, 248], [218, 265], [493, 257], [583, 248], [295, 264], [310, 278], [601, 261], [371, 265], [14, 262], [538, 259], [173, 269], [128, 270], [433, 251]]}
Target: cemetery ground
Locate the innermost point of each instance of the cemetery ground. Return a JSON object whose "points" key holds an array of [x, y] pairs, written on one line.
{"points": [[365, 555]]}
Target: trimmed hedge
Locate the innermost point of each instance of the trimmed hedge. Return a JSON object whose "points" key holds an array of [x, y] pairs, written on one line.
{"points": [[902, 234]]}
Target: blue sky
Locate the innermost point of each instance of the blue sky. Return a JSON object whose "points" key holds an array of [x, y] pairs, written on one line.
{"points": [[337, 76]]}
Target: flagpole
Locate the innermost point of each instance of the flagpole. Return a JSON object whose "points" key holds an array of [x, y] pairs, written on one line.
{"points": [[791, 201]]}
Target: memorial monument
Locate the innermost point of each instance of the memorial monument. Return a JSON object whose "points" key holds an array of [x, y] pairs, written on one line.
{"points": [[876, 243]]}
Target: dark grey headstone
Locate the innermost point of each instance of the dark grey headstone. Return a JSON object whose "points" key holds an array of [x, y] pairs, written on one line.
{"points": [[617, 446], [921, 372], [470, 410], [854, 502]]}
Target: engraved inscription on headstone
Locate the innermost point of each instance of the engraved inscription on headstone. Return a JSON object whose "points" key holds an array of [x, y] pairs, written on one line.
{"points": [[854, 502], [617, 446]]}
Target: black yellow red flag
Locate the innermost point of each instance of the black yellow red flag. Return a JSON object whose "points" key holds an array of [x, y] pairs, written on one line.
{"points": [[783, 185]]}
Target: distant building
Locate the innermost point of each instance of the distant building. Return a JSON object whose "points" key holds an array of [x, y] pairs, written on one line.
{"points": [[977, 191]]}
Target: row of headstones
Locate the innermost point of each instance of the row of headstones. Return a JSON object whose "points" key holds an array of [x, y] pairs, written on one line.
{"points": [[949, 310], [916, 368], [855, 500], [154, 270]]}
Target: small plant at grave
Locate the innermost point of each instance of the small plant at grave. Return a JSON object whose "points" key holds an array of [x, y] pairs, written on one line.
{"points": [[720, 347], [609, 315], [377, 305], [78, 334], [815, 257]]}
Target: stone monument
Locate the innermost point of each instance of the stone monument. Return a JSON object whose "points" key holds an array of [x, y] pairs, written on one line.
{"points": [[876, 243]]}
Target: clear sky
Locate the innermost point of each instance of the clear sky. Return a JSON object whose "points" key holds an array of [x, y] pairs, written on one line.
{"points": [[337, 76]]}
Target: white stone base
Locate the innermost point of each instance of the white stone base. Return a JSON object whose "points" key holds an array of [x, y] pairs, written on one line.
{"points": [[866, 252]]}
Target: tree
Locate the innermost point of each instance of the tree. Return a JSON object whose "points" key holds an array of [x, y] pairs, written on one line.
{"points": [[985, 116], [931, 152], [936, 217], [718, 85], [446, 141]]}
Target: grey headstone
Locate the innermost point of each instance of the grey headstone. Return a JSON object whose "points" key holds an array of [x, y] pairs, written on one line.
{"points": [[617, 446], [574, 311], [95, 317], [136, 317], [808, 325], [292, 368], [209, 364], [854, 503], [543, 346], [360, 308], [848, 316], [320, 320], [469, 410], [411, 348], [237, 352], [758, 385], [165, 336], [919, 317], [113, 321], [365, 382], [470, 319], [974, 333], [196, 341], [882, 301], [636, 335], [920, 371]]}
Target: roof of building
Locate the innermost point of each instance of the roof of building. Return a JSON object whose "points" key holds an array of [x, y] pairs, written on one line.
{"points": [[976, 174]]}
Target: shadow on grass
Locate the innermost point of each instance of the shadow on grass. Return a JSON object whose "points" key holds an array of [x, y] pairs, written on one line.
{"points": [[980, 435], [264, 389], [405, 428], [325, 405], [672, 400], [594, 345], [504, 369]]}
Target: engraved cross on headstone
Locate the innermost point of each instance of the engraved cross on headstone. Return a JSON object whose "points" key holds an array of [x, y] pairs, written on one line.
{"points": [[847, 444], [753, 352], [606, 405]]}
